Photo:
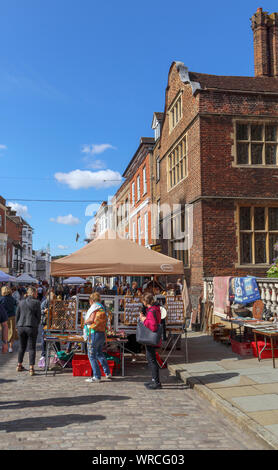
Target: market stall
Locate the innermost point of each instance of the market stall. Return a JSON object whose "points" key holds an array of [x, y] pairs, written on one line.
{"points": [[111, 255], [238, 316], [26, 279]]}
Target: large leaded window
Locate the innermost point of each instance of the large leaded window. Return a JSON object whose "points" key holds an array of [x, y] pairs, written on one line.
{"points": [[177, 164], [258, 231], [175, 112], [256, 144]]}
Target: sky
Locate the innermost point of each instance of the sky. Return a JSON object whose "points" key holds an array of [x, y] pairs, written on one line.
{"points": [[79, 83]]}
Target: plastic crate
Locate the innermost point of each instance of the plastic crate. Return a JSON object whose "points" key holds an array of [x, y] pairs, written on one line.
{"points": [[81, 366], [266, 354], [243, 348]]}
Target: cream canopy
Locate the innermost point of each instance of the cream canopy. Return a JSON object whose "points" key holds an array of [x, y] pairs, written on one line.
{"points": [[110, 255]]}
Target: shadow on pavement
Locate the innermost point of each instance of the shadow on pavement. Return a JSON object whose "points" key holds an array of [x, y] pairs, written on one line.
{"points": [[63, 401], [47, 422], [3, 381], [213, 378]]}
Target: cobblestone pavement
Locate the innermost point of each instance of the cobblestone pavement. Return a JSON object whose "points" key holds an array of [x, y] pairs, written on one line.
{"points": [[64, 412]]}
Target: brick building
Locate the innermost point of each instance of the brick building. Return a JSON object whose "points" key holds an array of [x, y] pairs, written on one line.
{"points": [[3, 236], [218, 153], [138, 174], [10, 240], [14, 242]]}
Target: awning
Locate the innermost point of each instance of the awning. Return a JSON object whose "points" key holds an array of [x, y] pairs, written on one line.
{"points": [[111, 255]]}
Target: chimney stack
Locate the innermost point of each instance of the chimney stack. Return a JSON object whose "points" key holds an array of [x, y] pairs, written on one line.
{"points": [[265, 30]]}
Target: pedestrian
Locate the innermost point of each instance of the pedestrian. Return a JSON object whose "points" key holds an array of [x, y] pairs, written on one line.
{"points": [[95, 321], [40, 293], [151, 320], [179, 286], [9, 304], [16, 295], [28, 317], [4, 327]]}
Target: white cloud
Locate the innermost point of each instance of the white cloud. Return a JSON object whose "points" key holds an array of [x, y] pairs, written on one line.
{"points": [[66, 220], [77, 179], [62, 247], [20, 209], [3, 147], [95, 149], [97, 165]]}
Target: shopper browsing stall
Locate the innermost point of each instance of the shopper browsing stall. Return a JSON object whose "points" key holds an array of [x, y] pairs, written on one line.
{"points": [[95, 325], [28, 317], [152, 320]]}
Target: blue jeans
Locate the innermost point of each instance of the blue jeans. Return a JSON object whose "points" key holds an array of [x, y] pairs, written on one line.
{"points": [[95, 346]]}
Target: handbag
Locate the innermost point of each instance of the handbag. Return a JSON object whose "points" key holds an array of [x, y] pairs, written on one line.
{"points": [[146, 336]]}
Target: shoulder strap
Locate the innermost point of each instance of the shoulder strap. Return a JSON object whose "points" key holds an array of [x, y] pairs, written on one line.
{"points": [[154, 314]]}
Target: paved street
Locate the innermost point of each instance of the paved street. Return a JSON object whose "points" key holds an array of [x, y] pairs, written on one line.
{"points": [[65, 412]]}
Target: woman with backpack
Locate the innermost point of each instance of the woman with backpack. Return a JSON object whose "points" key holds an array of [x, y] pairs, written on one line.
{"points": [[95, 326]]}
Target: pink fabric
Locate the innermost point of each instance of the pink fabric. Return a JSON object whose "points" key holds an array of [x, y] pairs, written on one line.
{"points": [[221, 294], [151, 322]]}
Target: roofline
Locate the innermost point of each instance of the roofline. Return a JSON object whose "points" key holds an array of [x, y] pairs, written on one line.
{"points": [[137, 151]]}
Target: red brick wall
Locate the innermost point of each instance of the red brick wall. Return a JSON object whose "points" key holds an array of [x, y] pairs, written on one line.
{"points": [[208, 117], [2, 221], [148, 195]]}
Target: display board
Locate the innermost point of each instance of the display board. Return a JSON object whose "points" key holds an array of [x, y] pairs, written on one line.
{"points": [[62, 315], [175, 310], [132, 309]]}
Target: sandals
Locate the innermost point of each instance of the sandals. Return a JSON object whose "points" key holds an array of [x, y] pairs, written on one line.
{"points": [[21, 368]]}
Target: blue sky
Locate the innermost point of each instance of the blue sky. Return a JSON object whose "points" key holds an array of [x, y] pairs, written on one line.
{"points": [[79, 82]]}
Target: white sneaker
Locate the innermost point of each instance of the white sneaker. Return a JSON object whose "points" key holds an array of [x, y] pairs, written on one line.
{"points": [[92, 380], [109, 377]]}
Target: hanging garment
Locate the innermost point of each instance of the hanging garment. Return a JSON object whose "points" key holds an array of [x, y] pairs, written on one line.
{"points": [[246, 290], [221, 287]]}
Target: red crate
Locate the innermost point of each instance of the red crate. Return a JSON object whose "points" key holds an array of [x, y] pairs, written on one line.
{"points": [[81, 366], [243, 348], [266, 354]]}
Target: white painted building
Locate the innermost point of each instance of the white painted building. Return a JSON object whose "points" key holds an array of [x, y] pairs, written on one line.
{"points": [[27, 245]]}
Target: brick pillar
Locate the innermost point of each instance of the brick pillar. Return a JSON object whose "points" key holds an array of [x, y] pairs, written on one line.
{"points": [[273, 43], [261, 43]]}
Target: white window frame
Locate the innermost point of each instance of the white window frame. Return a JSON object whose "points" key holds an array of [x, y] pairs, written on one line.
{"points": [[134, 231], [157, 169], [133, 194], [175, 112], [146, 227], [139, 231], [138, 188], [144, 180]]}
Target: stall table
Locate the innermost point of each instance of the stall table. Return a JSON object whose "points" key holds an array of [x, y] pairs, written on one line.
{"points": [[52, 339], [267, 334]]}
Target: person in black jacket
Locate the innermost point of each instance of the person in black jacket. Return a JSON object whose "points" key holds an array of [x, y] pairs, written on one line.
{"points": [[28, 317]]}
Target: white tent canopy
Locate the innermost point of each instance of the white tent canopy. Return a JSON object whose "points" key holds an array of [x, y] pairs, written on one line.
{"points": [[74, 281], [27, 279]]}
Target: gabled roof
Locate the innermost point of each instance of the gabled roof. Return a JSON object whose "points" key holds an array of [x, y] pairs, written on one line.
{"points": [[157, 117], [236, 83], [148, 141]]}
